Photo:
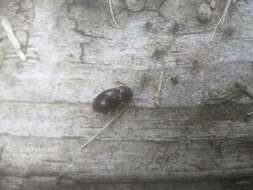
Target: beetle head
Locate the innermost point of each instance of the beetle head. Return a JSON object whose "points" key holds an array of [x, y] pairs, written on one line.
{"points": [[126, 94]]}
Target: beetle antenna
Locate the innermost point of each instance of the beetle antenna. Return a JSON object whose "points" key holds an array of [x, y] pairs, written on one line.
{"points": [[120, 83], [117, 116]]}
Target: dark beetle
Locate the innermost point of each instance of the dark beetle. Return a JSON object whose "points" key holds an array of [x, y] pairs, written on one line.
{"points": [[109, 100]]}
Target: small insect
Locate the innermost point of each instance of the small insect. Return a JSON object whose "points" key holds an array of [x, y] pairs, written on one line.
{"points": [[109, 100]]}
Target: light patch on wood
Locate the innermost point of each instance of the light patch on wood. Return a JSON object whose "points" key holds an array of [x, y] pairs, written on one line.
{"points": [[11, 36], [222, 19]]}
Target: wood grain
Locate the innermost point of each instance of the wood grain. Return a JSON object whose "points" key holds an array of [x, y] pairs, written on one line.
{"points": [[74, 52]]}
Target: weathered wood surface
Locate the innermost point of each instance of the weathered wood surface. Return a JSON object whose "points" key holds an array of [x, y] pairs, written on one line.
{"points": [[74, 52]]}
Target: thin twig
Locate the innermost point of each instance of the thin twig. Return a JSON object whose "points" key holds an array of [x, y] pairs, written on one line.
{"points": [[158, 91], [222, 19], [111, 11], [106, 125], [8, 29]]}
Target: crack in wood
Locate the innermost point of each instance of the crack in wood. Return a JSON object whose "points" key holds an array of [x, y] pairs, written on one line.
{"points": [[1, 152]]}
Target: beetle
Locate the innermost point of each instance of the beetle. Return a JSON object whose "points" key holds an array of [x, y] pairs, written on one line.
{"points": [[110, 99]]}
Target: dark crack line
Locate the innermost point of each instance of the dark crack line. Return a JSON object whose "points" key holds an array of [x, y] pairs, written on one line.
{"points": [[158, 13], [24, 12], [69, 4], [1, 152], [91, 35], [56, 161], [19, 5], [33, 9], [83, 33], [187, 141], [1, 39], [26, 46], [82, 44], [81, 57], [161, 4]]}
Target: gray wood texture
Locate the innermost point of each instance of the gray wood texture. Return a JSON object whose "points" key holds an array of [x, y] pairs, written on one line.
{"points": [[74, 52]]}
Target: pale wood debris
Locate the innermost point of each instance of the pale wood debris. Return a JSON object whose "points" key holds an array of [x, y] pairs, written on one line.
{"points": [[112, 13], [11, 36], [158, 91]]}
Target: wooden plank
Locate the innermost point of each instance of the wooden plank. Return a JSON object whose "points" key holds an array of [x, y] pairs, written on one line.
{"points": [[74, 52], [125, 160], [198, 64], [57, 120], [172, 150], [76, 84], [45, 184]]}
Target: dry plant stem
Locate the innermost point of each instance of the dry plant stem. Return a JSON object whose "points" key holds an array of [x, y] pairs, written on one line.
{"points": [[158, 91], [222, 19], [106, 126], [111, 11], [8, 29]]}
